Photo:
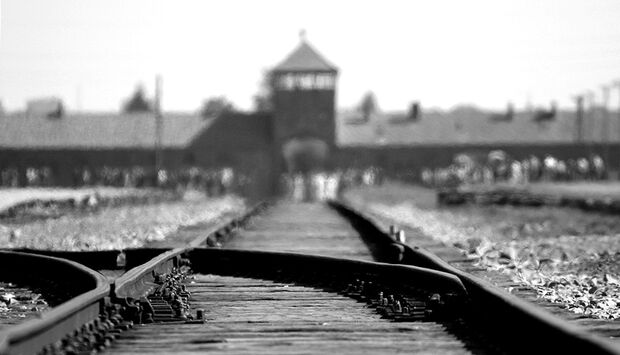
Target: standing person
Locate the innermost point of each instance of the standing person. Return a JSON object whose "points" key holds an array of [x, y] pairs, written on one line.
{"points": [[598, 167], [516, 173], [571, 168], [583, 167], [561, 171], [535, 168], [525, 171]]}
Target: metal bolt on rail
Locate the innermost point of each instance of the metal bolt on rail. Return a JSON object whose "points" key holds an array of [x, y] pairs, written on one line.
{"points": [[393, 230], [383, 300], [354, 289], [212, 241], [198, 319], [121, 259], [184, 262], [400, 237]]}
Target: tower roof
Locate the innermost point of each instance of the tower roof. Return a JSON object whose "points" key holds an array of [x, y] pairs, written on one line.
{"points": [[305, 59]]}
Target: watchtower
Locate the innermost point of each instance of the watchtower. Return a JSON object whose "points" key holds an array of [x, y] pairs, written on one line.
{"points": [[304, 93]]}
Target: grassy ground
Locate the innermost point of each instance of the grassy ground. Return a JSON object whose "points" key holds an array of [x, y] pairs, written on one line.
{"points": [[568, 256], [116, 227], [10, 197], [119, 227]]}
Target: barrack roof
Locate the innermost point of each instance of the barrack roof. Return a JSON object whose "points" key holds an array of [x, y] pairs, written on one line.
{"points": [[99, 131]]}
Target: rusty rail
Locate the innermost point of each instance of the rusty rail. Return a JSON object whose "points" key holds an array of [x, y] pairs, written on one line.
{"points": [[484, 308], [494, 311], [89, 314], [89, 289], [522, 197]]}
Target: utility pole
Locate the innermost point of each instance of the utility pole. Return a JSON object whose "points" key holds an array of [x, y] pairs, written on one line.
{"points": [[588, 133], [617, 85], [158, 128], [605, 136], [591, 104], [579, 121], [78, 98]]}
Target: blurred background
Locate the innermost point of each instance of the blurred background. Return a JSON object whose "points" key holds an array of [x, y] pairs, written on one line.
{"points": [[262, 97]]}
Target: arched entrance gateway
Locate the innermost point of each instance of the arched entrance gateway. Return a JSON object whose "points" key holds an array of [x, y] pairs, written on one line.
{"points": [[305, 155], [306, 176], [303, 89]]}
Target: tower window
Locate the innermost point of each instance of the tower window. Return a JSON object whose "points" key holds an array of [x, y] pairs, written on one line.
{"points": [[324, 81], [306, 81], [311, 81]]}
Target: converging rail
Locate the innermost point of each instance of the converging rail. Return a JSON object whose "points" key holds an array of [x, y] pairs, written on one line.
{"points": [[499, 314], [85, 291], [275, 302], [522, 197], [202, 297], [88, 319]]}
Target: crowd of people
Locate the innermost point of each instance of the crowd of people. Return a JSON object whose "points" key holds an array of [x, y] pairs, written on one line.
{"points": [[320, 186], [498, 167], [212, 181]]}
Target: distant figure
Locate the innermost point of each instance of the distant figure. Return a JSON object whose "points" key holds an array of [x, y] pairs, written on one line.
{"points": [[583, 167], [298, 188], [319, 181], [562, 171], [525, 167], [368, 177], [427, 177], [535, 168], [549, 168], [332, 185], [598, 167], [571, 167], [516, 173], [487, 175]]}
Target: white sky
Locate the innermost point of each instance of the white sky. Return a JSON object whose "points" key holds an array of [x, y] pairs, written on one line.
{"points": [[442, 53]]}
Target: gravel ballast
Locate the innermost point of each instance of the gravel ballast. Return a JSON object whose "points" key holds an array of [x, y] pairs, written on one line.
{"points": [[568, 256]]}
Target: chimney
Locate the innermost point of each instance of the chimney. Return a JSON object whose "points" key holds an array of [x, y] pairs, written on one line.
{"points": [[414, 111], [51, 108]]}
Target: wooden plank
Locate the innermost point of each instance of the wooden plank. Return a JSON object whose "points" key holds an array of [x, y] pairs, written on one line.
{"points": [[246, 316], [302, 228]]}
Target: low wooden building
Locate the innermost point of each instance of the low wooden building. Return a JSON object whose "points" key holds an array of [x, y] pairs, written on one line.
{"points": [[304, 131]]}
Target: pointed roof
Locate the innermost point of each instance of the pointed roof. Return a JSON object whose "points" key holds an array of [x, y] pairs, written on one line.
{"points": [[305, 59]]}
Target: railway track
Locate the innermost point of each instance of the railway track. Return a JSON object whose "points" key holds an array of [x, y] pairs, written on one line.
{"points": [[450, 258], [521, 197], [281, 314], [280, 286], [79, 291]]}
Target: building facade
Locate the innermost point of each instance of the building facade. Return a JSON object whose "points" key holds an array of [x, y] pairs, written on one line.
{"points": [[304, 132]]}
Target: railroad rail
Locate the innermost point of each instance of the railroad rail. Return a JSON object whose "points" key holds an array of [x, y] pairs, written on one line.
{"points": [[521, 197], [84, 292], [286, 298], [406, 300], [549, 332]]}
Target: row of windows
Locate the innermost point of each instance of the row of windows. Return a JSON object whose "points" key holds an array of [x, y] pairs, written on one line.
{"points": [[306, 81]]}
